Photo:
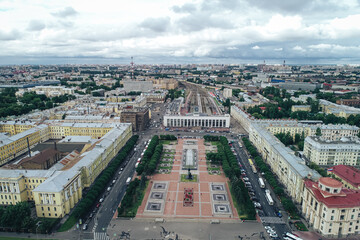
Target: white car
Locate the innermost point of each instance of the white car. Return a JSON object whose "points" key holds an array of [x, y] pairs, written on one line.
{"points": [[274, 235]]}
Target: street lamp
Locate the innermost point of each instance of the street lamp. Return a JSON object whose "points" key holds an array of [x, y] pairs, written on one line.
{"points": [[37, 226]]}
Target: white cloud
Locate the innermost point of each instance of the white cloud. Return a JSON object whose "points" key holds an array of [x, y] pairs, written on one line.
{"points": [[298, 48], [180, 28]]}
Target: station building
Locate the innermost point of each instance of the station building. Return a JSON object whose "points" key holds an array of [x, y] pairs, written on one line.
{"points": [[197, 120]]}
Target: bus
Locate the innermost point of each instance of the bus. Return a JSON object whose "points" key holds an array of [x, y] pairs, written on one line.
{"points": [[261, 182], [292, 236], [268, 197], [252, 166]]}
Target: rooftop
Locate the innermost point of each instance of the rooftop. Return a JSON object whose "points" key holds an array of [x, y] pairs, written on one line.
{"points": [[347, 173], [330, 182], [347, 199]]}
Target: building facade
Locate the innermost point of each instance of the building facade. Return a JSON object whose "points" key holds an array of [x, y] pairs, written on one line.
{"points": [[325, 152], [349, 176], [138, 117], [197, 120], [330, 209], [56, 190]]}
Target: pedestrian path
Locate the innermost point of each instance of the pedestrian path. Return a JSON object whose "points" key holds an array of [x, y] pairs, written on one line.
{"points": [[272, 220], [101, 236]]}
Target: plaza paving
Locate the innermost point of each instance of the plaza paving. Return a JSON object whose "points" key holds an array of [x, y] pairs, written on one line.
{"points": [[208, 203]]}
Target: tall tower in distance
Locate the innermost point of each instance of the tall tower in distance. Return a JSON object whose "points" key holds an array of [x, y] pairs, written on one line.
{"points": [[132, 68], [284, 64]]}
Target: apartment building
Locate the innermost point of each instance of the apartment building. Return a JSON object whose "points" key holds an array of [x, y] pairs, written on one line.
{"points": [[325, 152], [59, 130], [305, 108], [349, 176], [15, 127], [227, 93], [334, 132], [56, 190], [290, 169], [13, 146], [138, 117], [338, 110], [330, 209], [49, 91]]}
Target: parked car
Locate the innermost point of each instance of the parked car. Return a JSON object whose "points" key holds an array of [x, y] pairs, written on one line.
{"points": [[85, 226], [101, 200]]}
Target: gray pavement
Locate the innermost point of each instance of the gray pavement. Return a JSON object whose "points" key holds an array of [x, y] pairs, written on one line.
{"points": [[186, 229]]}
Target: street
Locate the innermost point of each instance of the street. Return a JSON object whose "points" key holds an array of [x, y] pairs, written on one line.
{"points": [[269, 217]]}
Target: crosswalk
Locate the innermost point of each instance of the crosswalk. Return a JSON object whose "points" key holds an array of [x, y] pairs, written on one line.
{"points": [[101, 236], [275, 220]]}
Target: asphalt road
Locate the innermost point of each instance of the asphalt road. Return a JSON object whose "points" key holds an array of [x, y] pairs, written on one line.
{"points": [[267, 210]]}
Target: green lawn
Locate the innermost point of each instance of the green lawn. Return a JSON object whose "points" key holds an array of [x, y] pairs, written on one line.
{"points": [[68, 224], [184, 179], [131, 212], [300, 226], [238, 208]]}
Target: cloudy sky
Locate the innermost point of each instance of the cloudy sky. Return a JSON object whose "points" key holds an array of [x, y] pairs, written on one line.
{"points": [[160, 31]]}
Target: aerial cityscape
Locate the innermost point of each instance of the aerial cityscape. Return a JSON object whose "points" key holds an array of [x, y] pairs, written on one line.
{"points": [[179, 120]]}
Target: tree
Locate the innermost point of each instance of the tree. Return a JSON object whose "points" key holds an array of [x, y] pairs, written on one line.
{"points": [[318, 132]]}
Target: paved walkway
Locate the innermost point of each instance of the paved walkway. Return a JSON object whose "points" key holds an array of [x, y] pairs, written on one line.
{"points": [[202, 207]]}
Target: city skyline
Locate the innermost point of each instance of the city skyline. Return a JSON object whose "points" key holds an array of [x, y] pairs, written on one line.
{"points": [[300, 32]]}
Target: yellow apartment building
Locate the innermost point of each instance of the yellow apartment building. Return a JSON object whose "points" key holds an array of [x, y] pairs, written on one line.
{"points": [[56, 192]]}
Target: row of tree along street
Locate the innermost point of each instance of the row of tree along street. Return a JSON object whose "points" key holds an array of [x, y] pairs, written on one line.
{"points": [[151, 157], [136, 189], [86, 203], [271, 179], [232, 170]]}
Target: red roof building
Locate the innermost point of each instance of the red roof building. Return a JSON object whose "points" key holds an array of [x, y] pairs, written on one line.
{"points": [[348, 175], [331, 209]]}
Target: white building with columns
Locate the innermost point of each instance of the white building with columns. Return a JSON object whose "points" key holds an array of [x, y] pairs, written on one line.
{"points": [[197, 120]]}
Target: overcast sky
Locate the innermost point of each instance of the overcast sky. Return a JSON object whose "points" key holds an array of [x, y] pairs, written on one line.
{"points": [[111, 31]]}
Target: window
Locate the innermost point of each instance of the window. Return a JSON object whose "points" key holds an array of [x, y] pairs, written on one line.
{"points": [[48, 208], [342, 210], [329, 230], [342, 217], [349, 229], [332, 218], [54, 208], [333, 211], [42, 208], [323, 215]]}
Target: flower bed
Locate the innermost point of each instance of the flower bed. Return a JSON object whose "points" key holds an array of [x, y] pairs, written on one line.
{"points": [[188, 197]]}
